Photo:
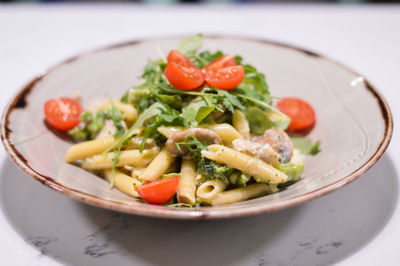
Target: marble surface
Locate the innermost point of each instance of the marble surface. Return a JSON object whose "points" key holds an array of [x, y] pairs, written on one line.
{"points": [[357, 225]]}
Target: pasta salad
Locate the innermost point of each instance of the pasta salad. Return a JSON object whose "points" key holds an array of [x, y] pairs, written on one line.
{"points": [[201, 129]]}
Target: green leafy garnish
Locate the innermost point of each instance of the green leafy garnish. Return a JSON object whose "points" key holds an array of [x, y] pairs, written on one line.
{"points": [[254, 84], [258, 120], [190, 44], [305, 145]]}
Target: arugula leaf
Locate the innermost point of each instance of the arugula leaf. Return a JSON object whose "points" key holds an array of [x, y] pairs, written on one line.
{"points": [[230, 101], [175, 101], [153, 111], [196, 112], [203, 58], [238, 59], [305, 145], [258, 120], [168, 117], [315, 148], [189, 112], [191, 44], [254, 84], [204, 112]]}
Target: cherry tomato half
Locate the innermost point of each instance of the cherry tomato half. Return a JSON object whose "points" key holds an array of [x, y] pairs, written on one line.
{"points": [[182, 77], [226, 78], [219, 63], [63, 113], [180, 59], [301, 113], [159, 191]]}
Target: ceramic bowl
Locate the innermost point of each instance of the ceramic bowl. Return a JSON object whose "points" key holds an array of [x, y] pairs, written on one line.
{"points": [[354, 122]]}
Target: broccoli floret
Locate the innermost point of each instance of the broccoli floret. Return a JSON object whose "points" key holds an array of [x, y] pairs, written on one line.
{"points": [[90, 126], [293, 170], [211, 170]]}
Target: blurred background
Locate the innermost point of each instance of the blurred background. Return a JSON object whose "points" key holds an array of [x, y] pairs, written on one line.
{"points": [[202, 1]]}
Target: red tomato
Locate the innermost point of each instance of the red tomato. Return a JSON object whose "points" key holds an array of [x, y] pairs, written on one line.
{"points": [[159, 191], [182, 77], [180, 59], [226, 78], [301, 114], [63, 113], [219, 63]]}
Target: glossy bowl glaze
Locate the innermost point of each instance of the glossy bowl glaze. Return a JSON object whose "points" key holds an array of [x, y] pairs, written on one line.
{"points": [[354, 122]]}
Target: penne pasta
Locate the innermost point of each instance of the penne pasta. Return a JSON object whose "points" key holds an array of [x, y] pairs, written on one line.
{"points": [[88, 148], [187, 182], [226, 132], [241, 194], [261, 171], [157, 167], [241, 124], [128, 157], [92, 147], [125, 183], [210, 189]]}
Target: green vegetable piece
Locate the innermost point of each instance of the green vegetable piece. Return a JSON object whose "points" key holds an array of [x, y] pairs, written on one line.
{"points": [[90, 126], [306, 146], [293, 170], [211, 170], [258, 121], [191, 44], [78, 133], [196, 112], [204, 112], [230, 101], [242, 180]]}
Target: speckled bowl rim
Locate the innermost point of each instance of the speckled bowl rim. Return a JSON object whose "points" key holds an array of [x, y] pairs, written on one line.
{"points": [[205, 213]]}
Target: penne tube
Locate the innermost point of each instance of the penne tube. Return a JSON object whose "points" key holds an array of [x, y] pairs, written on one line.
{"points": [[88, 148], [127, 111], [124, 183], [92, 147], [157, 167], [241, 124], [261, 171], [226, 132], [187, 182], [241, 194], [210, 189], [169, 131], [129, 157]]}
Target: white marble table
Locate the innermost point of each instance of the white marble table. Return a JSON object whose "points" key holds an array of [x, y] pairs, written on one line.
{"points": [[357, 225]]}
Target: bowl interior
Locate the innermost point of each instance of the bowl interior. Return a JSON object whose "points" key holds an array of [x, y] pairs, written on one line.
{"points": [[353, 121]]}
